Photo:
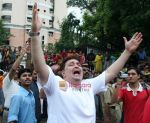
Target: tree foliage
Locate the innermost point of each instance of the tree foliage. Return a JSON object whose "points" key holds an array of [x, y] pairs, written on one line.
{"points": [[50, 48], [107, 21], [67, 40], [4, 34], [84, 4]]}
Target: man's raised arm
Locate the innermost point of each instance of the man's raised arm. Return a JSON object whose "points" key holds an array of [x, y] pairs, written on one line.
{"points": [[16, 64], [14, 67], [130, 47], [36, 49]]}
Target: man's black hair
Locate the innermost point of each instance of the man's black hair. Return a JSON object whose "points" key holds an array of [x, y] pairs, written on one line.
{"points": [[62, 65], [21, 71], [136, 69]]}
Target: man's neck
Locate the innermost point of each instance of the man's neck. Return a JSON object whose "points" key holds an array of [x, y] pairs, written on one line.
{"points": [[26, 87], [134, 86]]}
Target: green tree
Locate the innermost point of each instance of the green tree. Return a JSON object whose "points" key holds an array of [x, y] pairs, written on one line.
{"points": [[89, 5], [50, 48], [4, 34], [112, 20], [123, 18], [68, 33]]}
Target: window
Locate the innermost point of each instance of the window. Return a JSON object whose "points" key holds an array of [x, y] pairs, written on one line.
{"points": [[27, 31], [51, 23], [51, 19], [30, 7], [6, 18], [51, 11], [7, 6], [50, 34], [43, 38], [43, 21], [42, 42], [29, 19]]}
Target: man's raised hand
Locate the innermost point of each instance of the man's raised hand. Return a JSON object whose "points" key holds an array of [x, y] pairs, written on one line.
{"points": [[134, 42], [36, 23]]}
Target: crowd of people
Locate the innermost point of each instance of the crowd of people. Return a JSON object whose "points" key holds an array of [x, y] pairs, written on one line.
{"points": [[72, 87]]}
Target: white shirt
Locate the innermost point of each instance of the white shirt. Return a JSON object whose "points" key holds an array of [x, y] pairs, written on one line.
{"points": [[70, 105], [10, 88]]}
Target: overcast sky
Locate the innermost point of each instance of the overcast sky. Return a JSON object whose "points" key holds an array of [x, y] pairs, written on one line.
{"points": [[76, 11]]}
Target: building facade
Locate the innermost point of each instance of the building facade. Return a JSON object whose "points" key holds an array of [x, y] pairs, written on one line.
{"points": [[17, 16]]}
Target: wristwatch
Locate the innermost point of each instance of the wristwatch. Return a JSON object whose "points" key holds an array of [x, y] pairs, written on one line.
{"points": [[31, 34]]}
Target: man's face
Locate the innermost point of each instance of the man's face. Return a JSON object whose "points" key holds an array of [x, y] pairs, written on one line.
{"points": [[86, 72], [73, 71], [25, 79], [133, 76], [34, 76]]}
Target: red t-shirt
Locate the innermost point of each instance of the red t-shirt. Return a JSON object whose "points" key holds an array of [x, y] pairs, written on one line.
{"points": [[133, 106], [146, 117]]}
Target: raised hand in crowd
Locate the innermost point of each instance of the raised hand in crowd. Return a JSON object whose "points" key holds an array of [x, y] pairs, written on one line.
{"points": [[36, 23], [16, 64], [36, 49], [130, 47], [134, 42]]}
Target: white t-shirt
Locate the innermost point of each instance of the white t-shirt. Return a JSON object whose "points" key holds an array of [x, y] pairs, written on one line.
{"points": [[71, 105], [10, 88]]}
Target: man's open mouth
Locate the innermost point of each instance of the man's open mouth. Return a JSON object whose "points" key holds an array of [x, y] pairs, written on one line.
{"points": [[77, 72]]}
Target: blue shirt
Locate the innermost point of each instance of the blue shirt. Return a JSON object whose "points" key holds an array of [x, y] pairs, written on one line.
{"points": [[22, 107]]}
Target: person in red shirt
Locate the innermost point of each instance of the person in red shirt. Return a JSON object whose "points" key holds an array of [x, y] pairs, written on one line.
{"points": [[146, 117], [133, 96]]}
